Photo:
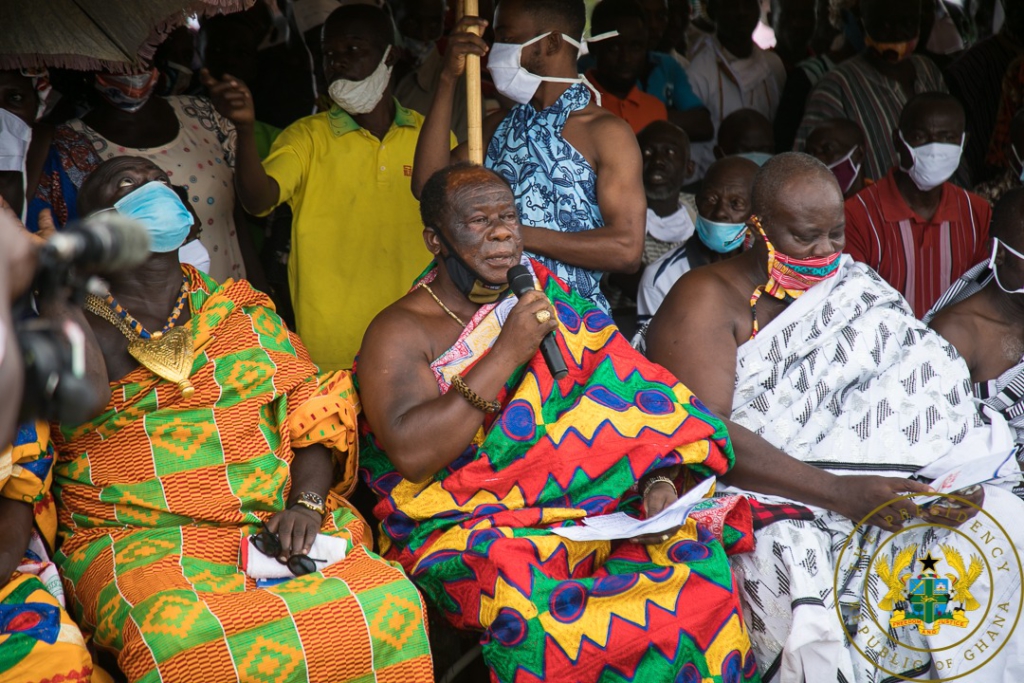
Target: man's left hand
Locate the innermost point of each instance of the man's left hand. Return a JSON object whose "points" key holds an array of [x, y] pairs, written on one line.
{"points": [[659, 496], [296, 528], [951, 512]]}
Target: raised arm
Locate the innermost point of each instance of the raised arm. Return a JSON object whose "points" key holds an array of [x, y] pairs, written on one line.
{"points": [[433, 149], [257, 191], [421, 431], [617, 246], [694, 335]]}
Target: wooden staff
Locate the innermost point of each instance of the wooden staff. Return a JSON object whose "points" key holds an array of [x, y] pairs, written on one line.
{"points": [[474, 104]]}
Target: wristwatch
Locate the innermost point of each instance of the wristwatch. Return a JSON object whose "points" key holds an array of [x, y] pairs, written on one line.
{"points": [[311, 501]]}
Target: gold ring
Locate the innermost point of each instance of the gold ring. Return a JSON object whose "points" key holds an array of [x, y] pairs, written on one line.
{"points": [[543, 316]]}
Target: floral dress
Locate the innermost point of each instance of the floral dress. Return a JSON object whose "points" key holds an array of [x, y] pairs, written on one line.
{"points": [[200, 158]]}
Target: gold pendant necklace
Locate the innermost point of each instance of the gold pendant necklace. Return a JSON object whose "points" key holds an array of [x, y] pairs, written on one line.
{"points": [[166, 354]]}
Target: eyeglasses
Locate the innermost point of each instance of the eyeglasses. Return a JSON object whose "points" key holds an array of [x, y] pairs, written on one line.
{"points": [[269, 544]]}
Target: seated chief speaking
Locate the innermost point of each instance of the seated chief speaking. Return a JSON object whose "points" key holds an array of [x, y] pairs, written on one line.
{"points": [[476, 453]]}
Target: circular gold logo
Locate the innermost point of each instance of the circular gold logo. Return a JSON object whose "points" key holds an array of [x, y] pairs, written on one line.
{"points": [[935, 597]]}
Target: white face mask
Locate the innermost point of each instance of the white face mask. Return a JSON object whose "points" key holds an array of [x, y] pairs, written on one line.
{"points": [[15, 136], [992, 265], [511, 79], [361, 97], [934, 163]]}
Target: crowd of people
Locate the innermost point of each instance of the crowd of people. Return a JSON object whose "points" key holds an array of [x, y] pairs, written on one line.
{"points": [[779, 245]]}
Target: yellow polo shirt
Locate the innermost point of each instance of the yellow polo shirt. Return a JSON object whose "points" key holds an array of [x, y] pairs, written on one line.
{"points": [[357, 238]]}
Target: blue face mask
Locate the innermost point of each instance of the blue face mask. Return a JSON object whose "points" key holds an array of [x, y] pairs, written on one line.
{"points": [[161, 212], [720, 237], [758, 158]]}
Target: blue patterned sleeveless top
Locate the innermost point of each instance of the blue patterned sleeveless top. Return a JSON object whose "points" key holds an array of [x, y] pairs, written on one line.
{"points": [[553, 184]]}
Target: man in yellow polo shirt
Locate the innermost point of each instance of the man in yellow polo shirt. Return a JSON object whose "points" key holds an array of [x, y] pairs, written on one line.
{"points": [[357, 238]]}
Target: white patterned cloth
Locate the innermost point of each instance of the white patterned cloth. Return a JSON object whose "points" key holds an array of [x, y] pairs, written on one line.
{"points": [[1005, 393], [847, 379]]}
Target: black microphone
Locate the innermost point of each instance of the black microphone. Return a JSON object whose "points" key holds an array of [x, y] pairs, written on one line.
{"points": [[105, 241], [521, 281]]}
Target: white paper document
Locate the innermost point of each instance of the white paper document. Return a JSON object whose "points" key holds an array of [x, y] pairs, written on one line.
{"points": [[978, 471], [619, 525]]}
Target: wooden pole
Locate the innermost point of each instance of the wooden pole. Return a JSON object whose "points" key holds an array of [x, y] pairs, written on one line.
{"points": [[474, 104]]}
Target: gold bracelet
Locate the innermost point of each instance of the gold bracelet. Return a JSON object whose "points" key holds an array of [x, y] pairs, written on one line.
{"points": [[652, 482], [474, 399]]}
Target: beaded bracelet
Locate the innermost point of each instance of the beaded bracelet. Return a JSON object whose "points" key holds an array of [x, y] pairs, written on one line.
{"points": [[652, 482], [474, 399]]}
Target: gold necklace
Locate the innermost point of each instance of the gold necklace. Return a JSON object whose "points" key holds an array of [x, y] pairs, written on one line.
{"points": [[440, 303], [167, 355]]}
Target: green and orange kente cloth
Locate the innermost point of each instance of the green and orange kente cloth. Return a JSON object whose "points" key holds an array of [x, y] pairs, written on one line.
{"points": [[156, 495], [477, 537]]}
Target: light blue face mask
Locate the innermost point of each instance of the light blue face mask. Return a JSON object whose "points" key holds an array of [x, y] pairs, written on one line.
{"points": [[758, 158], [720, 237], [160, 211]]}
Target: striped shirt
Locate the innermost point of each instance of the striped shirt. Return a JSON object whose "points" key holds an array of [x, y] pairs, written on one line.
{"points": [[919, 258], [855, 90]]}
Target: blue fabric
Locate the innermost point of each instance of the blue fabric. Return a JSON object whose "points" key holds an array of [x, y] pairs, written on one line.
{"points": [[54, 168], [554, 185], [670, 84]]}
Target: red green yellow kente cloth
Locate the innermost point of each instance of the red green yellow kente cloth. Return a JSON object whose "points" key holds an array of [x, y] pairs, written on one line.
{"points": [[156, 495], [477, 538]]}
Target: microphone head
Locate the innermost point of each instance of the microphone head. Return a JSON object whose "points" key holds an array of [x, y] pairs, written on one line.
{"points": [[520, 280], [125, 241]]}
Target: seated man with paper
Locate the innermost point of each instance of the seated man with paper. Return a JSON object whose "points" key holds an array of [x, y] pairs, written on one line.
{"points": [[479, 456], [834, 394]]}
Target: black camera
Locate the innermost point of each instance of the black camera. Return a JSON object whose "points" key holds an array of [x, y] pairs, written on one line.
{"points": [[54, 351]]}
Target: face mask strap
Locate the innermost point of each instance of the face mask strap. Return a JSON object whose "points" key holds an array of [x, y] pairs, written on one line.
{"points": [[992, 264]]}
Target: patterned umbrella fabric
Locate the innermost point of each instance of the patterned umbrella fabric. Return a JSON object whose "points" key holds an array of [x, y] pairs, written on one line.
{"points": [[90, 35]]}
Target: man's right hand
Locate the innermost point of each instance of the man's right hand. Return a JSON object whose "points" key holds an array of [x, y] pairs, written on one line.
{"points": [[522, 333], [857, 496], [463, 41], [231, 98]]}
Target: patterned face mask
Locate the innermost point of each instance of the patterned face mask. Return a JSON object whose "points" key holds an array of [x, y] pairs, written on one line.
{"points": [[788, 277], [127, 92]]}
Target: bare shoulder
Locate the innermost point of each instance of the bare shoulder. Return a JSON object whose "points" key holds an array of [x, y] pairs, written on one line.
{"points": [[711, 288], [397, 331], [961, 324]]}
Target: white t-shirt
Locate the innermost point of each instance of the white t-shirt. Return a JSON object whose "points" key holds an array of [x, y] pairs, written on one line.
{"points": [[726, 83], [658, 279]]}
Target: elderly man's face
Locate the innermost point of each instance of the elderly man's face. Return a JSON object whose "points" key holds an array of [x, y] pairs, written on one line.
{"points": [[484, 225], [127, 178], [807, 218], [725, 194]]}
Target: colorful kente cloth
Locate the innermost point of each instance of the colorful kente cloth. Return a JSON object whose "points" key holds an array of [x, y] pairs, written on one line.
{"points": [[156, 495], [477, 537], [38, 640], [554, 185]]}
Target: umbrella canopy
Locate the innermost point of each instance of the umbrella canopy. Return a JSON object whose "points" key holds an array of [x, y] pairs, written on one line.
{"points": [[90, 35]]}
